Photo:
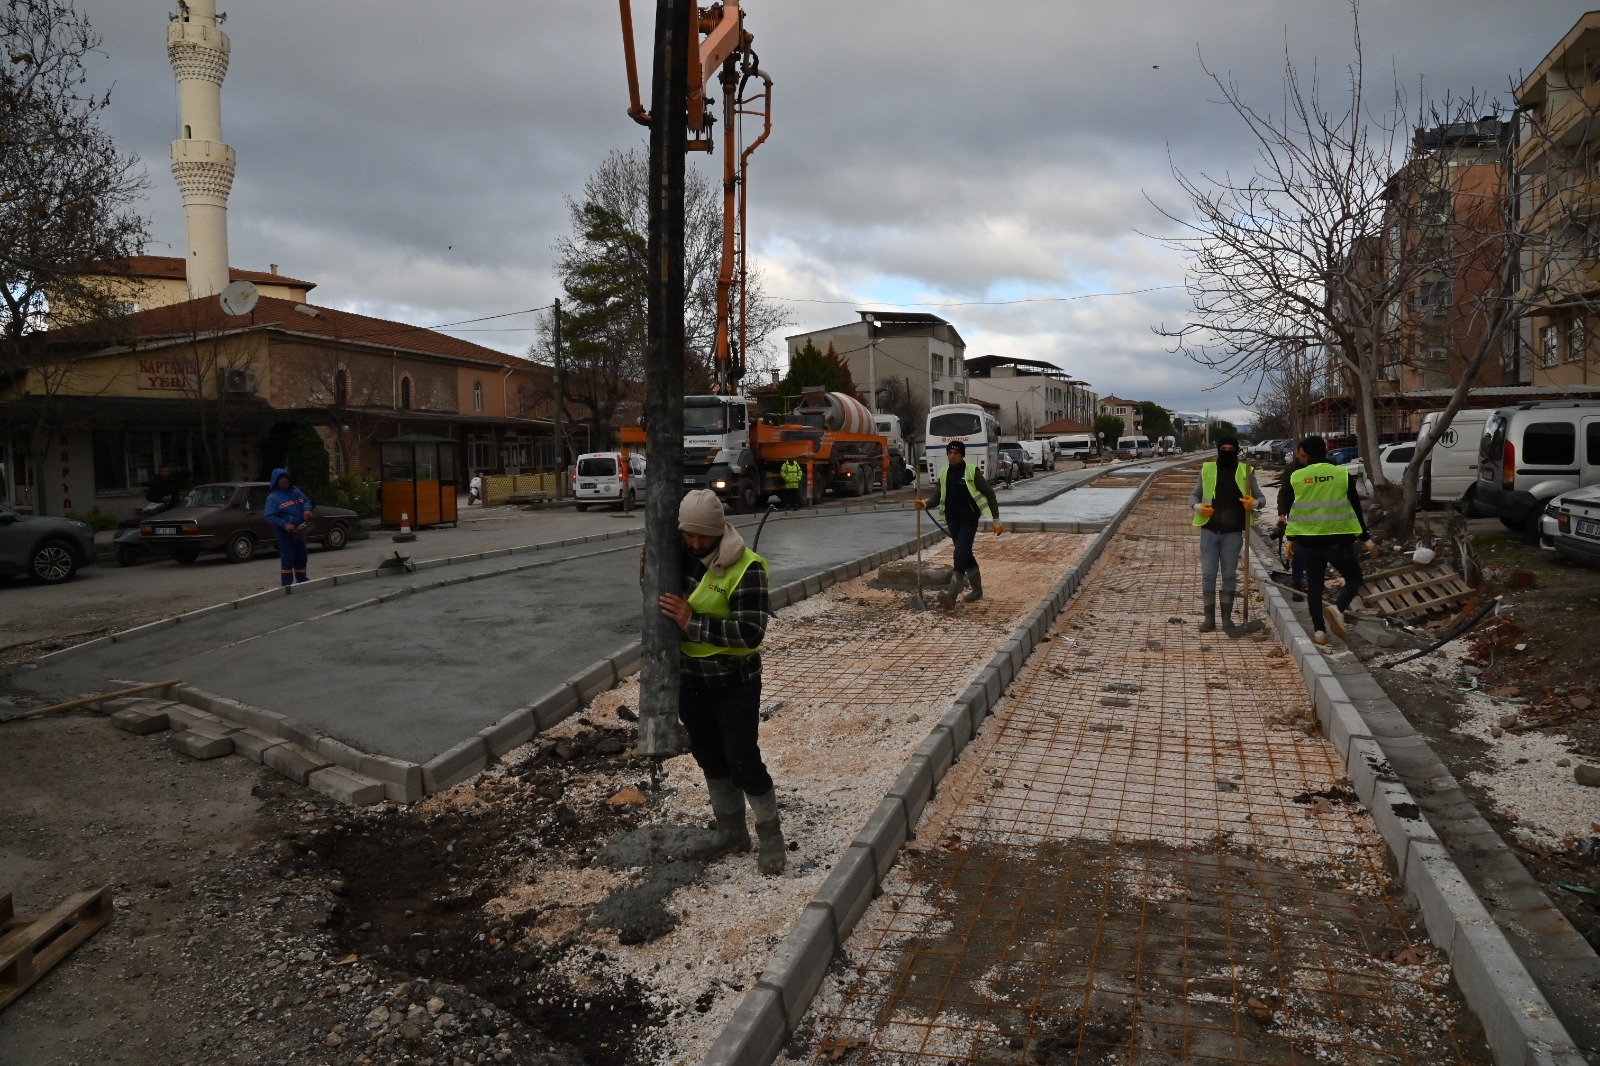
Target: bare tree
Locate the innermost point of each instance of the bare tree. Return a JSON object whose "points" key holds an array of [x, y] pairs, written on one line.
{"points": [[68, 204], [1342, 239], [602, 269]]}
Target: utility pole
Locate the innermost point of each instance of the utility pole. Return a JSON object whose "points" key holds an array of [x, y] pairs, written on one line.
{"points": [[663, 570], [561, 449]]}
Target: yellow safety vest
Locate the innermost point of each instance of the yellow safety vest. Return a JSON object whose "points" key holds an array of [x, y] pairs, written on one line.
{"points": [[710, 597], [1321, 502], [970, 476], [791, 474], [1208, 485]]}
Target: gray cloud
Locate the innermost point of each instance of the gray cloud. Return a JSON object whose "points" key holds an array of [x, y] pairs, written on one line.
{"points": [[412, 157]]}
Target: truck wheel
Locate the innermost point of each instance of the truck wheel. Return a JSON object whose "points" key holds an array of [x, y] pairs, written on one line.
{"points": [[746, 499]]}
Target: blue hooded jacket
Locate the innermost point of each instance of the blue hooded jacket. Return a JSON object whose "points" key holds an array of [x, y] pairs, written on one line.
{"points": [[285, 506]]}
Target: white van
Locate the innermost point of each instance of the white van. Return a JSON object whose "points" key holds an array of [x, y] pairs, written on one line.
{"points": [[1450, 471], [900, 472], [595, 478], [1039, 451], [1075, 446], [1532, 453], [1138, 447]]}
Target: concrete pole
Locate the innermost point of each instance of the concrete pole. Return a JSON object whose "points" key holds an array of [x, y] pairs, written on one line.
{"points": [[561, 438], [202, 165], [664, 373]]}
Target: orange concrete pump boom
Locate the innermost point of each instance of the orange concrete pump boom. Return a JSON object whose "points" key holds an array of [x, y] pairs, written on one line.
{"points": [[724, 50]]}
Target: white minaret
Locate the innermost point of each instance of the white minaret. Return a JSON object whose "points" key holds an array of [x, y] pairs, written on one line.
{"points": [[198, 51]]}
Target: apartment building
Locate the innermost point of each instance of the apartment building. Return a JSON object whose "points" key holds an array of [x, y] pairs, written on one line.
{"points": [[917, 354], [1028, 393]]}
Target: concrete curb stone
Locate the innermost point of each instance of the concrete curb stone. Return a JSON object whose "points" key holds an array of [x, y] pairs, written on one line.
{"points": [[913, 788], [885, 833], [754, 1036], [402, 780], [199, 746], [293, 761], [510, 732], [1518, 1020], [940, 750], [849, 887], [253, 744], [140, 721], [346, 786], [798, 964], [455, 765]]}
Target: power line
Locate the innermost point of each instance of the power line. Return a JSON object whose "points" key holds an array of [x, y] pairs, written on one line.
{"points": [[976, 303]]}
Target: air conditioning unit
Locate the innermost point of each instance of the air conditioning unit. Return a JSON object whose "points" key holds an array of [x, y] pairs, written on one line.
{"points": [[239, 382], [1435, 355]]}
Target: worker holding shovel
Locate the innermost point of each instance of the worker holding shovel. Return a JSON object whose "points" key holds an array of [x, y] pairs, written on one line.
{"points": [[1222, 501], [964, 496]]}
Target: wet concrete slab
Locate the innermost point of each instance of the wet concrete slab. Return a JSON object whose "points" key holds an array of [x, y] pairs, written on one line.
{"points": [[412, 675]]}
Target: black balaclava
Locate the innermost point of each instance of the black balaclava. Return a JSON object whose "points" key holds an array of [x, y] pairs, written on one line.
{"points": [[1227, 453]]}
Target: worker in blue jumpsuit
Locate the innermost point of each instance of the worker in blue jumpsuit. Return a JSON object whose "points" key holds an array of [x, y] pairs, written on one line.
{"points": [[289, 512]]}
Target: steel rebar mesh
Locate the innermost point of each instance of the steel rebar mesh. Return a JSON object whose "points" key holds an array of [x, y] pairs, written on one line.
{"points": [[1145, 857]]}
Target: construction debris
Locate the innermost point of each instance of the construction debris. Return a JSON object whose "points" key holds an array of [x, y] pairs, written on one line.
{"points": [[30, 946]]}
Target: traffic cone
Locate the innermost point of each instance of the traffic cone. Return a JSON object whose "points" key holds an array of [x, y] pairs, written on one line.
{"points": [[405, 533]]}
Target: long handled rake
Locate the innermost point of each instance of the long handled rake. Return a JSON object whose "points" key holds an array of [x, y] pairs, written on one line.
{"points": [[1247, 626]]}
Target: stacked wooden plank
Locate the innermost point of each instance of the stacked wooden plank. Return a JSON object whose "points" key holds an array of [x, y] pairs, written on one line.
{"points": [[1413, 591], [30, 946]]}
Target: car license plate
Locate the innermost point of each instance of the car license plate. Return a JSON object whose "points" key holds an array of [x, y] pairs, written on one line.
{"points": [[1588, 529], [586, 484], [166, 531], [688, 481]]}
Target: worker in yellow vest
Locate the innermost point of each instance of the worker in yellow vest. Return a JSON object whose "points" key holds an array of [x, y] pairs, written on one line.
{"points": [[1223, 500], [792, 475], [1325, 523], [723, 619], [964, 496]]}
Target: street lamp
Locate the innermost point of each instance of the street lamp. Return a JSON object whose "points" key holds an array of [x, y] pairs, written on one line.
{"points": [[872, 360]]}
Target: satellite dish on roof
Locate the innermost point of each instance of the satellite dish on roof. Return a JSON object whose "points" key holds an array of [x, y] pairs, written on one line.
{"points": [[239, 298]]}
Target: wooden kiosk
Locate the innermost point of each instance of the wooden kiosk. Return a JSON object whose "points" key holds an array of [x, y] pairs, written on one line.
{"points": [[419, 480]]}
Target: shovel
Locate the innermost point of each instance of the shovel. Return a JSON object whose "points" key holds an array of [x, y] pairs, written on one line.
{"points": [[1247, 626], [917, 602]]}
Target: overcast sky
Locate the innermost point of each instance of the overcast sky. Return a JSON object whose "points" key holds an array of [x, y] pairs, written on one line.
{"points": [[411, 156]]}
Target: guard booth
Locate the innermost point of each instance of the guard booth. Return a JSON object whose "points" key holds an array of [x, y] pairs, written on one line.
{"points": [[419, 480]]}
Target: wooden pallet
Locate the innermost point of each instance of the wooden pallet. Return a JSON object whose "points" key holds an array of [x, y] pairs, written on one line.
{"points": [[30, 946], [1413, 591]]}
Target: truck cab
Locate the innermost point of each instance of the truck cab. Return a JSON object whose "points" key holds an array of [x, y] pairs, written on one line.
{"points": [[716, 449], [900, 472]]}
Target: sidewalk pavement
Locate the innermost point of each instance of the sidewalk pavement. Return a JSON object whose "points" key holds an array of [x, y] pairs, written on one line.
{"points": [[1148, 855]]}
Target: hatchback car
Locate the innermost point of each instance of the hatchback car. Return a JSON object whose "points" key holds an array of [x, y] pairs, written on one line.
{"points": [[227, 517], [1571, 525], [48, 550]]}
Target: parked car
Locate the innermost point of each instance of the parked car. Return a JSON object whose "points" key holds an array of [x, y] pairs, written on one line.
{"points": [[1262, 451], [1342, 456], [1022, 465], [1394, 457], [48, 550], [1532, 453], [1571, 525], [227, 517], [595, 479]]}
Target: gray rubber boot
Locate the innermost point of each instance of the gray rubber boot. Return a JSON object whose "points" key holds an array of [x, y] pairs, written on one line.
{"points": [[771, 851], [948, 594], [975, 579], [1209, 623], [731, 835], [1227, 615]]}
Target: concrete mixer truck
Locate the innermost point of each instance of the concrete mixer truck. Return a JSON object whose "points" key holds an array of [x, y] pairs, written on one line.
{"points": [[729, 449]]}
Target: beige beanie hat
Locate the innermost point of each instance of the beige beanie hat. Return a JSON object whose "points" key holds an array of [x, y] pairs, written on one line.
{"points": [[701, 512]]}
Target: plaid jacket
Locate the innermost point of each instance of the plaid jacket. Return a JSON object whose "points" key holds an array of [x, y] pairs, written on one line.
{"points": [[745, 627]]}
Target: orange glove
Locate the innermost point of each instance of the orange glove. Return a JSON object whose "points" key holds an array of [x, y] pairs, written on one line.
{"points": [[999, 529], [1249, 502], [920, 504], [1204, 510], [1288, 549], [1373, 550]]}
